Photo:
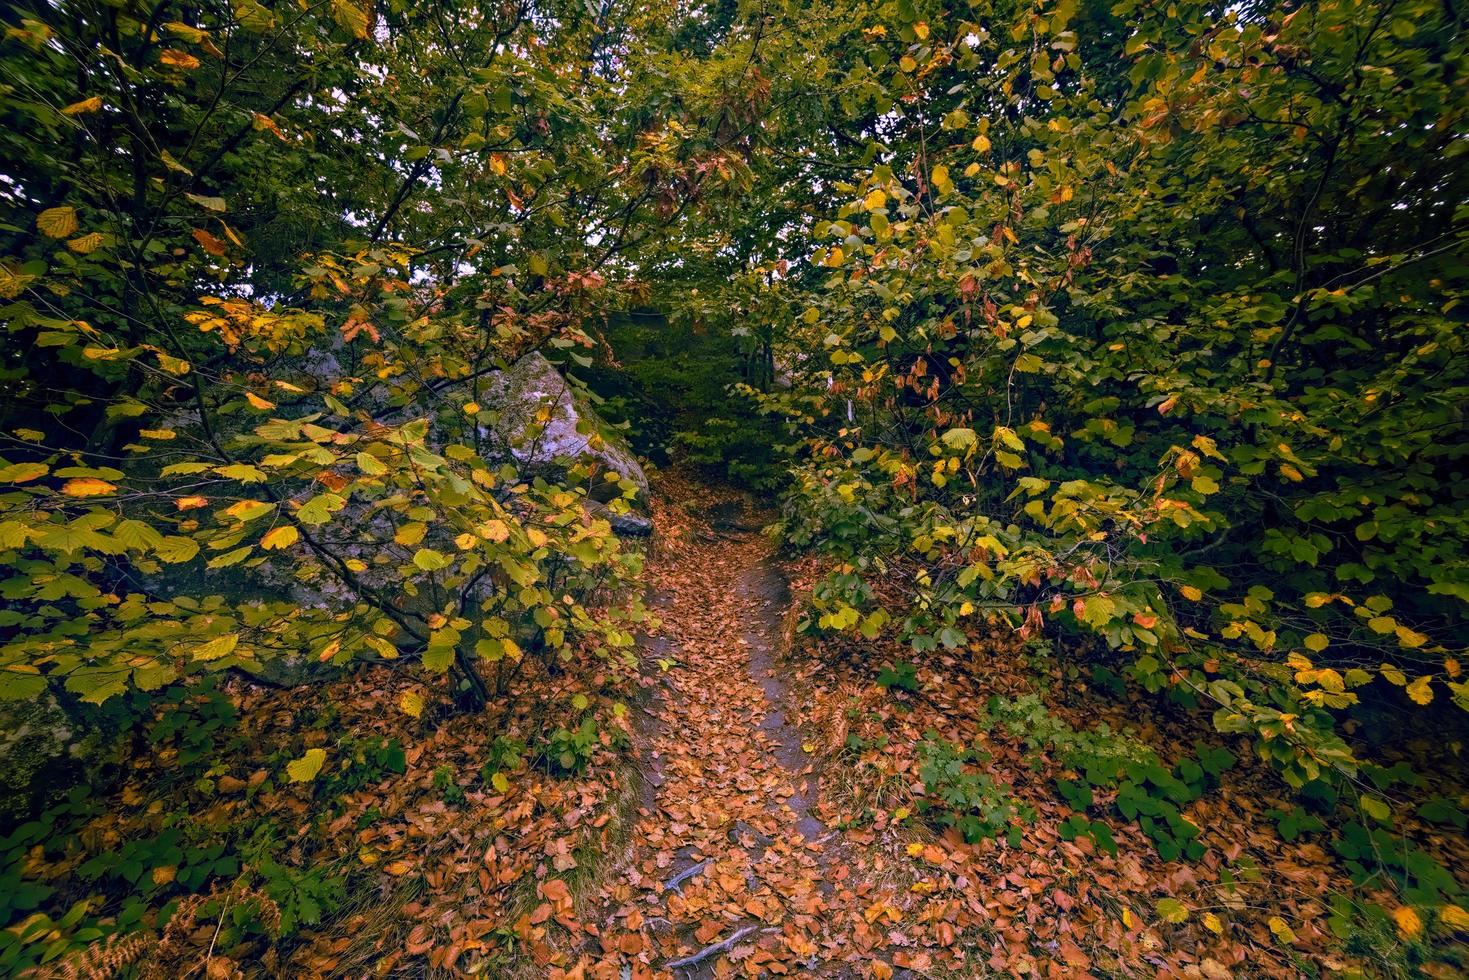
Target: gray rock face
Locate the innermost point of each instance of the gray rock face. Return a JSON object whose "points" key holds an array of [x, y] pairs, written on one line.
{"points": [[41, 751], [546, 426]]}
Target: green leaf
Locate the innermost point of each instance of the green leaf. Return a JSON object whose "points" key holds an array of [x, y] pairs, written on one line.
{"points": [[438, 659], [243, 472], [231, 557], [136, 535], [1376, 808], [370, 464], [176, 550], [960, 439], [319, 509], [1172, 910]]}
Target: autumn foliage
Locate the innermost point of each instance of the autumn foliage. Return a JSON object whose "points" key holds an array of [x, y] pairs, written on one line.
{"points": [[1099, 369]]}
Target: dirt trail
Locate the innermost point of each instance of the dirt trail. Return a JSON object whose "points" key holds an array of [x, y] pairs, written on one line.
{"points": [[729, 851]]}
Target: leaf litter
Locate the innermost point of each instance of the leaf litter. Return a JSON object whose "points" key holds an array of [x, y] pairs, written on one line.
{"points": [[735, 815]]}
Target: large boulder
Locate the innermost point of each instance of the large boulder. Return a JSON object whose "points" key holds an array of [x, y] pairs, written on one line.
{"points": [[546, 425], [43, 749]]}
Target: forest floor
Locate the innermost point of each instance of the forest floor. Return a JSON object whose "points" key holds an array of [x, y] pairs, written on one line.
{"points": [[733, 863], [744, 800], [779, 833]]}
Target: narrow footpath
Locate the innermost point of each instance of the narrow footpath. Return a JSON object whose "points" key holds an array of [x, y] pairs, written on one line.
{"points": [[731, 871]]}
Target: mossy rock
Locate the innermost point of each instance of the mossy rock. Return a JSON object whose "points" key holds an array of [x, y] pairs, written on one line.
{"points": [[548, 427]]}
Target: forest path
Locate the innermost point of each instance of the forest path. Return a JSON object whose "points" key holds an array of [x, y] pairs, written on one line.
{"points": [[730, 871]]}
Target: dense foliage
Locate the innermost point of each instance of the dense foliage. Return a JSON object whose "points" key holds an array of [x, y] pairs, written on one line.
{"points": [[1135, 326], [251, 301], [1154, 334]]}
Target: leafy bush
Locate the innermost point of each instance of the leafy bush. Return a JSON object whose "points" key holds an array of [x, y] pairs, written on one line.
{"points": [[1146, 790], [1142, 343], [959, 796]]}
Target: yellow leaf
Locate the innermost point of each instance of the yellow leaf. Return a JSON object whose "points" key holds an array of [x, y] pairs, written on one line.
{"points": [[1281, 929], [87, 487], [304, 769], [1317, 642], [398, 868], [834, 256], [501, 782], [220, 646], [1410, 637], [178, 59], [411, 703], [86, 244], [258, 402], [495, 531], [173, 164], [171, 364], [874, 200], [410, 534], [280, 537], [471, 408], [981, 143], [353, 18], [57, 222], [1212, 923], [189, 33], [1419, 691], [84, 106], [23, 472], [1382, 624], [1190, 593], [191, 503], [1454, 917], [1409, 925]]}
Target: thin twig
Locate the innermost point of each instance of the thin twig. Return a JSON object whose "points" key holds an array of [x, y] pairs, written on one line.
{"points": [[685, 875], [709, 951]]}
